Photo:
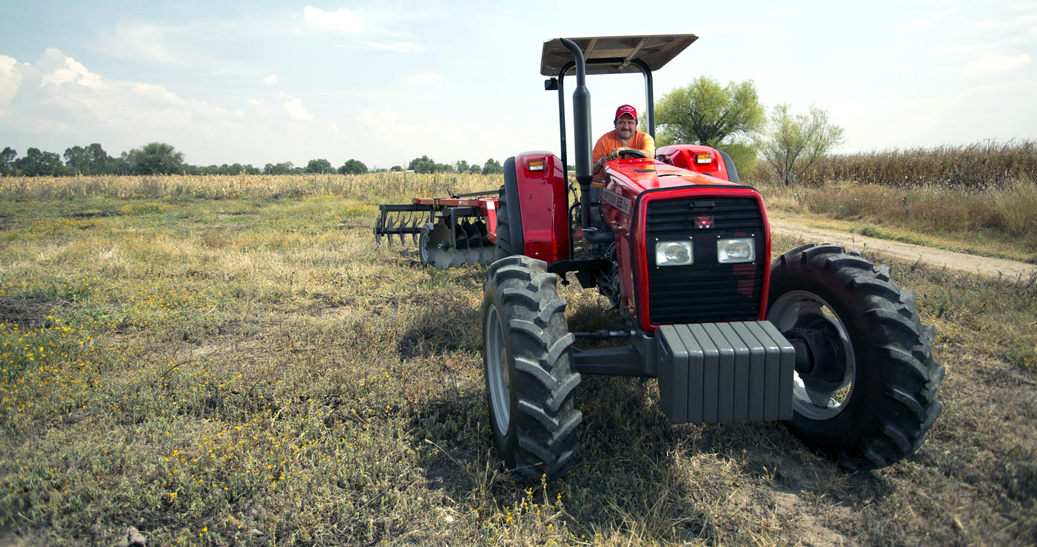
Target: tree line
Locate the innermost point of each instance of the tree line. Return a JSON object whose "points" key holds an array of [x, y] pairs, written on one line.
{"points": [[158, 158]]}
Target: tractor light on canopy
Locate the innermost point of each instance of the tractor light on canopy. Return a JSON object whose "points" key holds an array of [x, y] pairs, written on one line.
{"points": [[703, 159], [536, 165], [674, 253], [736, 251]]}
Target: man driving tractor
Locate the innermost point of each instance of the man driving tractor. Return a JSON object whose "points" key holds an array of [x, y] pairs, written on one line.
{"points": [[625, 135]]}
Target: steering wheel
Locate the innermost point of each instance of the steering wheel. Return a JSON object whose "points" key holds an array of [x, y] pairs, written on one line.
{"points": [[629, 153]]}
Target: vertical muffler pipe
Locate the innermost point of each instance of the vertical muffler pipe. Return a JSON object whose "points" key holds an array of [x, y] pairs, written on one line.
{"points": [[582, 130]]}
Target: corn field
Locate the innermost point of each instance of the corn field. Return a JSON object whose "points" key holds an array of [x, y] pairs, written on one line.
{"points": [[978, 166], [360, 187]]}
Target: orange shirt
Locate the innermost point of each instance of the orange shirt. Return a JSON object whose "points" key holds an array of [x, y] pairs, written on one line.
{"points": [[608, 141]]}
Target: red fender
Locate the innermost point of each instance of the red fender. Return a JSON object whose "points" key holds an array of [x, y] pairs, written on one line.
{"points": [[542, 203]]}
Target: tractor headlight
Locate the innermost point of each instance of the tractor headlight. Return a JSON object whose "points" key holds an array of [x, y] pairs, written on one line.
{"points": [[734, 251], [673, 253]]}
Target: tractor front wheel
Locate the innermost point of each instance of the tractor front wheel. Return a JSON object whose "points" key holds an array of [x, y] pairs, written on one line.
{"points": [[530, 374], [865, 381]]}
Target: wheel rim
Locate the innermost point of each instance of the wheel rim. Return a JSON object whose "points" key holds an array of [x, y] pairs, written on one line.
{"points": [[810, 399], [497, 372], [423, 246]]}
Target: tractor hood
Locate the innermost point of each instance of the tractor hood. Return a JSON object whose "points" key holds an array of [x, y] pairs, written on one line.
{"points": [[644, 174]]}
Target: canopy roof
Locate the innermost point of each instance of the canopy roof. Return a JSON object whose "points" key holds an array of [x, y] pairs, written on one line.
{"points": [[655, 51]]}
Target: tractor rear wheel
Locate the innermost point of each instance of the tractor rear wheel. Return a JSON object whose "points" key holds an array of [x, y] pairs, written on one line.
{"points": [[865, 380], [530, 373]]}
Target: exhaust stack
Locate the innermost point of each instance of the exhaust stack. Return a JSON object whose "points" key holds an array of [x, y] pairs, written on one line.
{"points": [[582, 129]]}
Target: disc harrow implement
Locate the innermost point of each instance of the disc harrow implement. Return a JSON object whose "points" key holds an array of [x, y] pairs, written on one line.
{"points": [[449, 232]]}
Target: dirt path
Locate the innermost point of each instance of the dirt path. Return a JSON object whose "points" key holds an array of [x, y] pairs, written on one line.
{"points": [[992, 267]]}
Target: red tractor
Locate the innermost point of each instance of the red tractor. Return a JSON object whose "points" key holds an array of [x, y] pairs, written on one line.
{"points": [[820, 338]]}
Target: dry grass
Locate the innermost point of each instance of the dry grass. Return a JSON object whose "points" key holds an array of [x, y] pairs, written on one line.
{"points": [[361, 187], [976, 166], [996, 222], [979, 198], [252, 370]]}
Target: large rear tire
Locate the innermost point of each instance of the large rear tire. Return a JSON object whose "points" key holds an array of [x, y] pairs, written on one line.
{"points": [[530, 373], [867, 399]]}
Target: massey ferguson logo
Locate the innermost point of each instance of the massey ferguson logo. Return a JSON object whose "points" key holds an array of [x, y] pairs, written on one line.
{"points": [[704, 221]]}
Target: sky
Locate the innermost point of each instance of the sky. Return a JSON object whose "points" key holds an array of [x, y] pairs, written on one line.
{"points": [[383, 82]]}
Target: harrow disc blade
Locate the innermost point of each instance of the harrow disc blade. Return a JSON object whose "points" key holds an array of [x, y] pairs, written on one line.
{"points": [[390, 224], [424, 248], [441, 246], [378, 232], [486, 251], [474, 243], [414, 225], [460, 248]]}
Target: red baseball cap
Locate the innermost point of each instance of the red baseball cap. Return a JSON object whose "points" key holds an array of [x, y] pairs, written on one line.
{"points": [[626, 109]]}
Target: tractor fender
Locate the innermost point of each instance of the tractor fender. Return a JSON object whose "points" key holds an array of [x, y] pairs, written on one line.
{"points": [[540, 205], [721, 165]]}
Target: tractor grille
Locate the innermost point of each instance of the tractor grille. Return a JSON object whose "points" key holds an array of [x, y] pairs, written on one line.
{"points": [[705, 291]]}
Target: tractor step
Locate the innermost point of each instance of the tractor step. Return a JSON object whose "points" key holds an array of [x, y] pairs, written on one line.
{"points": [[724, 372]]}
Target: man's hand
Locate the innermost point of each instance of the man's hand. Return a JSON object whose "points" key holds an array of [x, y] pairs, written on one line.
{"points": [[614, 153]]}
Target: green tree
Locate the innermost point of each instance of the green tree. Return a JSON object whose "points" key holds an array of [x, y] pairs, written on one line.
{"points": [[796, 141], [39, 164], [474, 168], [284, 168], [120, 165], [77, 160], [319, 166], [89, 160], [424, 164], [704, 112], [7, 161], [155, 158], [353, 167], [97, 158], [461, 166], [492, 167], [396, 169]]}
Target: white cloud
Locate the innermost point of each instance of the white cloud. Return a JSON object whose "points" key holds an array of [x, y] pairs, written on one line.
{"points": [[962, 49], [998, 63], [920, 24], [942, 69], [787, 13], [342, 19], [159, 94], [295, 109], [334, 128], [270, 80], [426, 77], [61, 98], [400, 47], [73, 72], [733, 29], [124, 114], [10, 79], [143, 41], [254, 102]]}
